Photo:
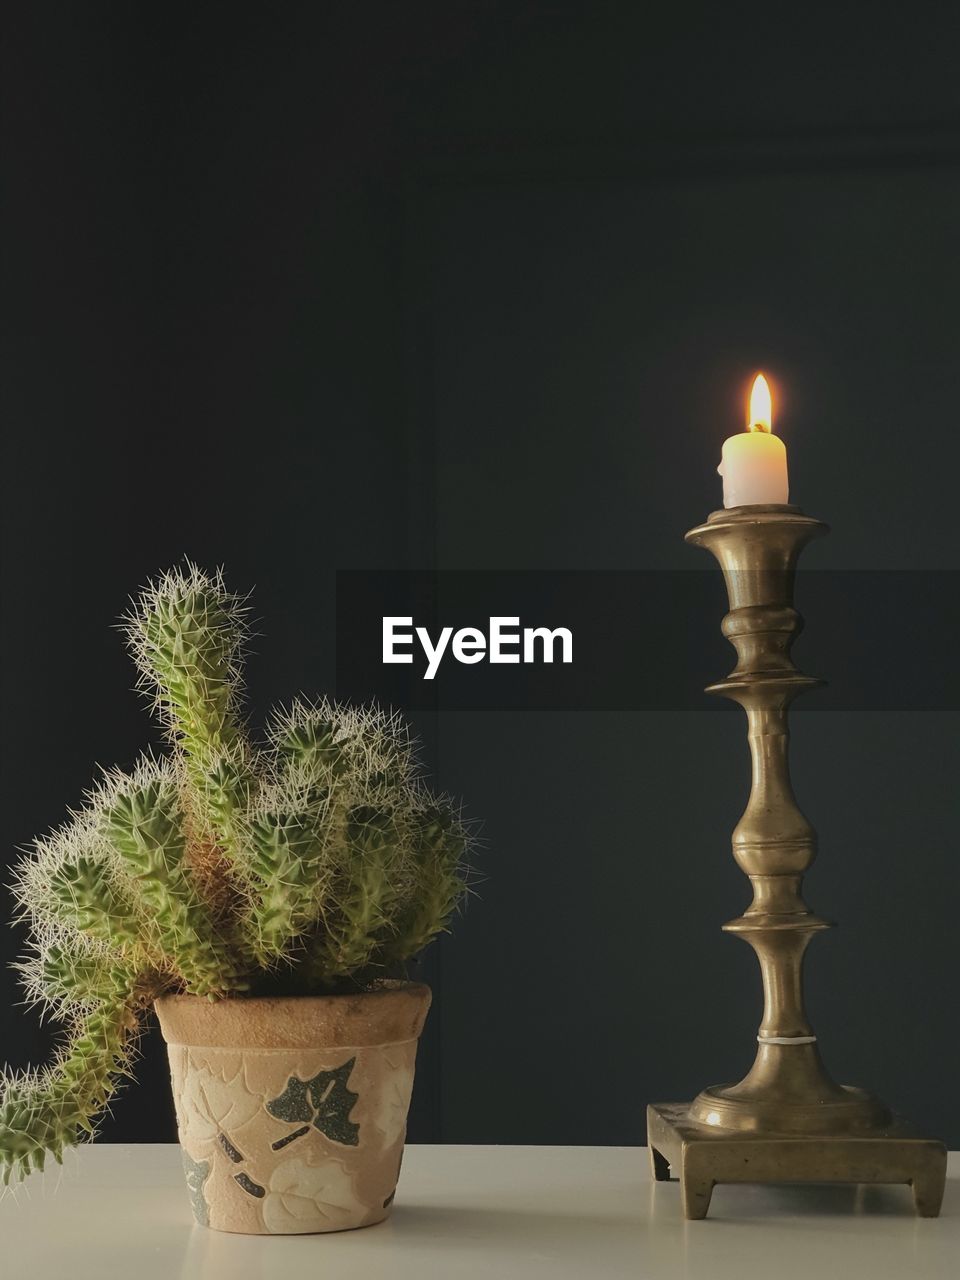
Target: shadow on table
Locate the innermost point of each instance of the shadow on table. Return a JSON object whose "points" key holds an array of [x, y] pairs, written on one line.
{"points": [[818, 1199], [742, 1203]]}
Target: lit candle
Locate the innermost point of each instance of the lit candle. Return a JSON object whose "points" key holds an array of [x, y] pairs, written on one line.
{"points": [[754, 463]]}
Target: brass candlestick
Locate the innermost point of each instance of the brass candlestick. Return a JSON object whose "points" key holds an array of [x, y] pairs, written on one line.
{"points": [[787, 1120]]}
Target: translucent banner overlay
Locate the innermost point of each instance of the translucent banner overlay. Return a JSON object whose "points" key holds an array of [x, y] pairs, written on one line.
{"points": [[650, 640]]}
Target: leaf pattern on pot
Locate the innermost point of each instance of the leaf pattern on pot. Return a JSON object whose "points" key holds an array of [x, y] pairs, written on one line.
{"points": [[390, 1104], [324, 1101], [303, 1197], [215, 1101], [197, 1172]]}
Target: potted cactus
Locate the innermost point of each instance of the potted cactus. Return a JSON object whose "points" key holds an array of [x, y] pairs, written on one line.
{"points": [[265, 900]]}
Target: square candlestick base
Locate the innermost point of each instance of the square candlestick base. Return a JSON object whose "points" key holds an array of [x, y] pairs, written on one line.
{"points": [[701, 1156]]}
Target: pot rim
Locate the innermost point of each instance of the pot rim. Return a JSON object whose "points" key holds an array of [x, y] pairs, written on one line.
{"points": [[393, 1013]]}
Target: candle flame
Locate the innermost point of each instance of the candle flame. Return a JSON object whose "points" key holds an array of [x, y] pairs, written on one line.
{"points": [[761, 417]]}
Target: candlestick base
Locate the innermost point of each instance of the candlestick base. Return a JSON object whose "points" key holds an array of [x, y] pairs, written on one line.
{"points": [[702, 1156]]}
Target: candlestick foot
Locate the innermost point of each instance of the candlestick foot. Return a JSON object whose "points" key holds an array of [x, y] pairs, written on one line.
{"points": [[703, 1156], [928, 1189], [696, 1192], [659, 1166]]}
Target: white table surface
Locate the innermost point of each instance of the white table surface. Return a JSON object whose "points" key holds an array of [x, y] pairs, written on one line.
{"points": [[461, 1212]]}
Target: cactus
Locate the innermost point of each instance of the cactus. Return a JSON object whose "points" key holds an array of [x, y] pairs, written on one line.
{"points": [[317, 862]]}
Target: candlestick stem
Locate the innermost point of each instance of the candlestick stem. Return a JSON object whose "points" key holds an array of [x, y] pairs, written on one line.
{"points": [[788, 1089]]}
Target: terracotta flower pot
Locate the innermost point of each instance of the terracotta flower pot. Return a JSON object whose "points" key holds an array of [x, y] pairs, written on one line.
{"points": [[292, 1112]]}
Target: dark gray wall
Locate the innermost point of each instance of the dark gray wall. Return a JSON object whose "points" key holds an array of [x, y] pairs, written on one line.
{"points": [[592, 336], [478, 286]]}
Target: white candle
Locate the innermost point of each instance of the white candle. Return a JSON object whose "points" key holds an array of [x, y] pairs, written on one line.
{"points": [[754, 463]]}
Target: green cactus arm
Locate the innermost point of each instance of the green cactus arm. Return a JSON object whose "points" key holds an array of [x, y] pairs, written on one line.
{"points": [[360, 748], [287, 872], [440, 844], [225, 793], [43, 1112], [363, 896], [68, 974], [89, 899], [143, 823], [186, 633], [305, 743]]}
